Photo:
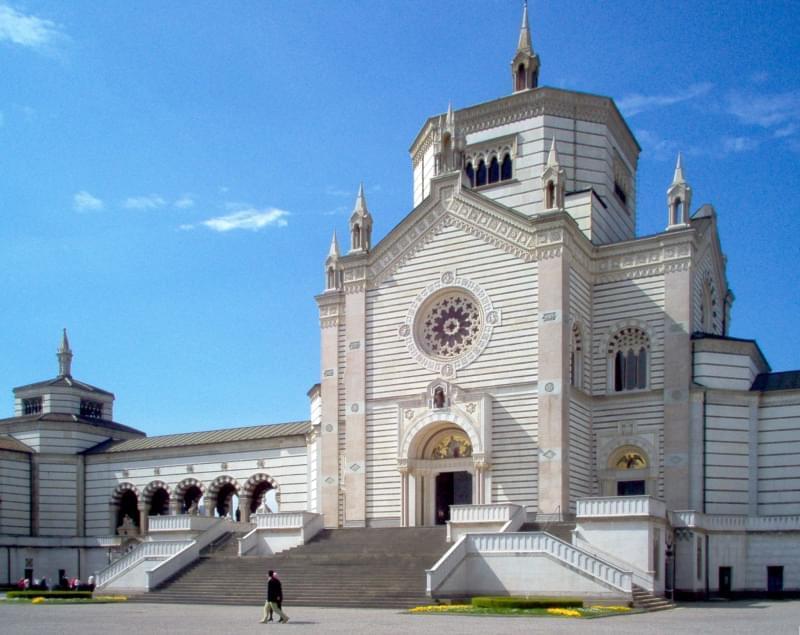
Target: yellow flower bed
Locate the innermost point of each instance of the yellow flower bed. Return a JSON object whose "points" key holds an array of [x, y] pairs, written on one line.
{"points": [[440, 608], [564, 612], [611, 608], [38, 600], [111, 598]]}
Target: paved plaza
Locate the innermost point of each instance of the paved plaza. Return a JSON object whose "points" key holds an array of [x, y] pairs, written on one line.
{"points": [[135, 619]]}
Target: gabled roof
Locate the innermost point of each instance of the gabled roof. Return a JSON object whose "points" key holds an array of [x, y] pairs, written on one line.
{"points": [[10, 443], [64, 381], [61, 417], [227, 435], [787, 380]]}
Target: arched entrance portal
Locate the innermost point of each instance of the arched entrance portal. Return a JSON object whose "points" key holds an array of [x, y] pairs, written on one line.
{"points": [[442, 469]]}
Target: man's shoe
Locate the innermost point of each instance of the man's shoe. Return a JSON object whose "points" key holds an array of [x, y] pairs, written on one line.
{"points": [[284, 620]]}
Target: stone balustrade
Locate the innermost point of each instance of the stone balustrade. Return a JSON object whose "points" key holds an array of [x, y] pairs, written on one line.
{"points": [[157, 550], [482, 513], [181, 522], [619, 506], [520, 544], [690, 518]]}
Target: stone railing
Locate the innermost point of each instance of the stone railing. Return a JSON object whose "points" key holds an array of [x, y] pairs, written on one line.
{"points": [[160, 550], [690, 518], [183, 522], [639, 577], [280, 531], [501, 517], [186, 556], [481, 513], [281, 520], [618, 506], [576, 558]]}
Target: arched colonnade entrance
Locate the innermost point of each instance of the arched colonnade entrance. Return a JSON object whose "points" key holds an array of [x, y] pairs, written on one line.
{"points": [[129, 507]]}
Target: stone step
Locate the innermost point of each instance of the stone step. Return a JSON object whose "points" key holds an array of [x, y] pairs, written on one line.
{"points": [[382, 568]]}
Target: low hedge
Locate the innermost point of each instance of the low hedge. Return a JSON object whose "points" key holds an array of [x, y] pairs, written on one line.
{"points": [[486, 602], [61, 595]]}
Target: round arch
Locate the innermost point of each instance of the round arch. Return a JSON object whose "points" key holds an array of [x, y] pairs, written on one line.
{"points": [[626, 467], [254, 491], [221, 490], [187, 495], [124, 509], [419, 432], [442, 463]]}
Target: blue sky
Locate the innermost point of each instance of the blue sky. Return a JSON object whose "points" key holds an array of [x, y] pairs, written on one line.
{"points": [[171, 173]]}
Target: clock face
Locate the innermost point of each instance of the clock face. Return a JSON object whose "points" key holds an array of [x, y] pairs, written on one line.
{"points": [[449, 324]]}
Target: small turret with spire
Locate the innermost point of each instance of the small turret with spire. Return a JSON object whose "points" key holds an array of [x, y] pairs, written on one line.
{"points": [[64, 357], [333, 279], [525, 65], [679, 198], [553, 180], [360, 224], [448, 144]]}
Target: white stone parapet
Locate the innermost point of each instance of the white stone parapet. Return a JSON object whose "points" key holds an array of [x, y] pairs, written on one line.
{"points": [[277, 532], [182, 522], [482, 513], [488, 517], [620, 506], [709, 522], [282, 520], [160, 550], [528, 543]]}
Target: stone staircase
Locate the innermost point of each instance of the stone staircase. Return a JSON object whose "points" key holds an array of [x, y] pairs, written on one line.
{"points": [[560, 529], [643, 599], [380, 568]]}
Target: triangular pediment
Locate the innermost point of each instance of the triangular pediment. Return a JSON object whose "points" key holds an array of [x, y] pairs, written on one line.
{"points": [[449, 204]]}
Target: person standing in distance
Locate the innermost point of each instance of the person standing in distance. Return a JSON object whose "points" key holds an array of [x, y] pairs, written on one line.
{"points": [[274, 598]]}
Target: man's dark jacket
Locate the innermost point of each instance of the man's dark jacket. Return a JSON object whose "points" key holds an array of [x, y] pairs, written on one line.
{"points": [[274, 591]]}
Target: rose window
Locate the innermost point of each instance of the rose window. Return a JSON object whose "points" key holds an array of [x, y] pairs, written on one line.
{"points": [[450, 325]]}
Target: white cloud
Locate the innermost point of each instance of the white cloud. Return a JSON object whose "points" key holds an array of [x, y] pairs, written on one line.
{"points": [[335, 191], [738, 144], [765, 110], [334, 212], [656, 147], [85, 202], [153, 201], [635, 103], [251, 219], [27, 30], [184, 202]]}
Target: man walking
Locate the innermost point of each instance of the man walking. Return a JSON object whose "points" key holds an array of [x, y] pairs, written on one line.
{"points": [[274, 598]]}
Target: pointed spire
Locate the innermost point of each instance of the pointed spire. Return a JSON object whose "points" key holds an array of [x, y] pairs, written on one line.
{"points": [[552, 156], [361, 201], [64, 357], [524, 45], [678, 178], [333, 252], [450, 116]]}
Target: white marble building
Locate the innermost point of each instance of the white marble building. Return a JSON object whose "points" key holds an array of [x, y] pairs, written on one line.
{"points": [[510, 353]]}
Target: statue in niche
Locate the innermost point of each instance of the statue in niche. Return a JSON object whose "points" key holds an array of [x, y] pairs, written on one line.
{"points": [[438, 398], [193, 509]]}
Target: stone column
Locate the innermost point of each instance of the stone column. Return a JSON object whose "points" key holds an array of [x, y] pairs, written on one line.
{"points": [[403, 496], [209, 505], [677, 379], [143, 528], [553, 488], [330, 308], [355, 396], [244, 508]]}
